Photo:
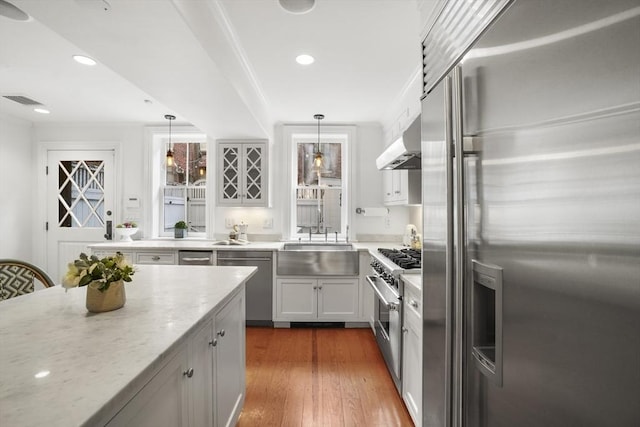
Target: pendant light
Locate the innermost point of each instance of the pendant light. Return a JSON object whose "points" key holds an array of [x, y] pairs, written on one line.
{"points": [[169, 151], [318, 157]]}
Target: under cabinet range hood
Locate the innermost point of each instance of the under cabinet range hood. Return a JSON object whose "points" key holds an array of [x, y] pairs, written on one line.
{"points": [[404, 152]]}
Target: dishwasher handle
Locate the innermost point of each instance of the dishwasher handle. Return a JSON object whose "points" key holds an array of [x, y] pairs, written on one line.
{"points": [[193, 259], [243, 259]]}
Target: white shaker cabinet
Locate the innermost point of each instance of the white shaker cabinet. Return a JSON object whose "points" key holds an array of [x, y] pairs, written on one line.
{"points": [[314, 299], [203, 382], [401, 187], [229, 362], [163, 401], [242, 173], [412, 353]]}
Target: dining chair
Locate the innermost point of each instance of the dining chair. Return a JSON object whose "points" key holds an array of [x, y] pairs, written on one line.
{"points": [[17, 278]]}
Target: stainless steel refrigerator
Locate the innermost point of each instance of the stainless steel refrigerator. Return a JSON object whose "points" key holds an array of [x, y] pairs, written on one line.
{"points": [[531, 204]]}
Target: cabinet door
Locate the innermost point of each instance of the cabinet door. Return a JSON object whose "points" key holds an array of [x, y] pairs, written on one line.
{"points": [[201, 381], [230, 174], [387, 186], [229, 362], [254, 175], [395, 184], [412, 356], [337, 299], [162, 402], [296, 299]]}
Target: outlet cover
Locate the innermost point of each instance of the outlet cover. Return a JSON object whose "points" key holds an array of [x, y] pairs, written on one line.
{"points": [[229, 222], [267, 223]]}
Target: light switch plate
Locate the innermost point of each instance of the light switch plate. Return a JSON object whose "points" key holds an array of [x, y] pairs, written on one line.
{"points": [[229, 222], [267, 223]]}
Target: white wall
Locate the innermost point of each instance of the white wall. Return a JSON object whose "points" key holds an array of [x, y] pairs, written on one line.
{"points": [[24, 145], [16, 189], [368, 188]]}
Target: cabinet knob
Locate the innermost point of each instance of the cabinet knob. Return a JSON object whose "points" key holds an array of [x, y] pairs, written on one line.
{"points": [[413, 304], [220, 333], [188, 373], [319, 287], [213, 342], [405, 330]]}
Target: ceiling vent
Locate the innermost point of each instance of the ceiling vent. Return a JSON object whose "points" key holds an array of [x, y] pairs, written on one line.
{"points": [[22, 99]]}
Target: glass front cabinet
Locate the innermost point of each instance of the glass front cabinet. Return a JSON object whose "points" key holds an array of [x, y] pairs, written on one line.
{"points": [[242, 173]]}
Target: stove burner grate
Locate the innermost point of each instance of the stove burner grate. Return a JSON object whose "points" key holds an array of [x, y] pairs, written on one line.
{"points": [[404, 258]]}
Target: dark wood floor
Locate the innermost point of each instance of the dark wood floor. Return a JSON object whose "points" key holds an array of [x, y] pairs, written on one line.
{"points": [[318, 377]]}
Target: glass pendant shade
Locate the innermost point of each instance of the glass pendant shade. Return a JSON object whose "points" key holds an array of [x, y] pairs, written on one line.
{"points": [[318, 156], [169, 151], [169, 157]]}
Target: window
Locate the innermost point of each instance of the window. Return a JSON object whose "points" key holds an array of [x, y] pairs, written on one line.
{"points": [[178, 192], [320, 195], [184, 192]]}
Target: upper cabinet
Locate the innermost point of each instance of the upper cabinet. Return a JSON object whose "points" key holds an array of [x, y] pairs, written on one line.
{"points": [[401, 187], [242, 173]]}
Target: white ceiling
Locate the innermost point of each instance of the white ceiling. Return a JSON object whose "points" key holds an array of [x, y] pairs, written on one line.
{"points": [[226, 66]]}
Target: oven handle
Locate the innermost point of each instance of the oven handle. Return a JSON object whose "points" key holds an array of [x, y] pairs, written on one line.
{"points": [[390, 305]]}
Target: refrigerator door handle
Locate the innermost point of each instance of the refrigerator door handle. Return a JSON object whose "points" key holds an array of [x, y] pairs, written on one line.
{"points": [[450, 257], [458, 343]]}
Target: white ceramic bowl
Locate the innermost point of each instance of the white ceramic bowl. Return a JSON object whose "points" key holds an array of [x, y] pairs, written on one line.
{"points": [[124, 234]]}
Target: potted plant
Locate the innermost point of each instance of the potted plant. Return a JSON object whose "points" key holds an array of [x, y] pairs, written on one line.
{"points": [[180, 230], [104, 279]]}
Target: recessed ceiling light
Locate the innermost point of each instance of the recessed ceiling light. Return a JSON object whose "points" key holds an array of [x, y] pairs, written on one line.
{"points": [[41, 110], [84, 60], [297, 6], [304, 59]]}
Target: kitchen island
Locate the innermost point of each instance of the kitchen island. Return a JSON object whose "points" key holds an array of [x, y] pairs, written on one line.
{"points": [[63, 366]]}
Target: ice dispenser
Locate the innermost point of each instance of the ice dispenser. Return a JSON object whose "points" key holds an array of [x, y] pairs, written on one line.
{"points": [[487, 320]]}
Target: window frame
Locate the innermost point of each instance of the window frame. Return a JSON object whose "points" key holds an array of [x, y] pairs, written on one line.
{"points": [[155, 152], [293, 134]]}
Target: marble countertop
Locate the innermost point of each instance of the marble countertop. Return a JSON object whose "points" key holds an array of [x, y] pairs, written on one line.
{"points": [[94, 361], [198, 244]]}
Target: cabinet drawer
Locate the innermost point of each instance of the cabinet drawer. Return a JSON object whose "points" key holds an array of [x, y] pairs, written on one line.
{"points": [[101, 253], [412, 305], [155, 258]]}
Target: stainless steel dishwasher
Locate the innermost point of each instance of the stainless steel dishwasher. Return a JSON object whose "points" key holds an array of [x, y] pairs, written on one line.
{"points": [[259, 290], [196, 258]]}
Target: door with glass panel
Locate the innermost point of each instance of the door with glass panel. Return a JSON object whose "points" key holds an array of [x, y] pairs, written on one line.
{"points": [[80, 208]]}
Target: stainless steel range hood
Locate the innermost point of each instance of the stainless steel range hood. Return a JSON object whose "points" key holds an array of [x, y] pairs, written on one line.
{"points": [[404, 152]]}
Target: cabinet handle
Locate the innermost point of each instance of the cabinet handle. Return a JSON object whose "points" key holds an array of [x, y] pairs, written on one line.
{"points": [[319, 287], [220, 333], [213, 342], [315, 287], [188, 373], [155, 258], [413, 304], [397, 192], [405, 330]]}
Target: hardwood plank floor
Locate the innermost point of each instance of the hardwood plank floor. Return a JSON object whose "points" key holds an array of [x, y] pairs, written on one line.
{"points": [[318, 377]]}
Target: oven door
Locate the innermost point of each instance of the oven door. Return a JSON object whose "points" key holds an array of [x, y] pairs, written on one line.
{"points": [[388, 326]]}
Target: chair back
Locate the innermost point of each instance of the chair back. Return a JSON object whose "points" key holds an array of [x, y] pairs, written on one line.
{"points": [[17, 278]]}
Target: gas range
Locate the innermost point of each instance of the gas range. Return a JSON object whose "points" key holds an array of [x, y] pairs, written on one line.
{"points": [[389, 264]]}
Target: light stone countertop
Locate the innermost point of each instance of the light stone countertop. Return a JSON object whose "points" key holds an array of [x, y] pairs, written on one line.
{"points": [[198, 244], [97, 360]]}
